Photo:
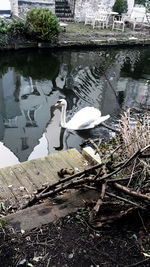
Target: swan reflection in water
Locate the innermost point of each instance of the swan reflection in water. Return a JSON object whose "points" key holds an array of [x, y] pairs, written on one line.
{"points": [[71, 134], [54, 139], [80, 127]]}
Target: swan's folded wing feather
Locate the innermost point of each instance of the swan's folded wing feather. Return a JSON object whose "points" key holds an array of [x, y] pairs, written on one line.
{"points": [[86, 118]]}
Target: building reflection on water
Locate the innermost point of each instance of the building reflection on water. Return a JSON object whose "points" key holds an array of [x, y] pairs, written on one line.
{"points": [[29, 124]]}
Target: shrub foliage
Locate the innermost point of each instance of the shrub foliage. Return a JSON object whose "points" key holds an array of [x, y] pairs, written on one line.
{"points": [[42, 24], [17, 27], [3, 26], [120, 6]]}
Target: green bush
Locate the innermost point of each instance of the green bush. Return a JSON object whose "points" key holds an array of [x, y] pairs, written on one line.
{"points": [[120, 6], [42, 24], [4, 41], [140, 2], [17, 27], [3, 26]]}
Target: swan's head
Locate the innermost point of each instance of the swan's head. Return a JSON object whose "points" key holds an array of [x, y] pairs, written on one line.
{"points": [[61, 102]]}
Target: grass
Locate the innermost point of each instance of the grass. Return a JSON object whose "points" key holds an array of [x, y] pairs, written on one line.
{"points": [[76, 28]]}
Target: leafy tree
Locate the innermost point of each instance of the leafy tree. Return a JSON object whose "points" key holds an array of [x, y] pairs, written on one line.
{"points": [[42, 24], [120, 6]]}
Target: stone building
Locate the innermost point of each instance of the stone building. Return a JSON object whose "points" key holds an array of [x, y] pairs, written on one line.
{"points": [[65, 8], [14, 7]]}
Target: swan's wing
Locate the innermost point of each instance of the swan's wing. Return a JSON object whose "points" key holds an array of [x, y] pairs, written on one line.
{"points": [[93, 123], [86, 118], [100, 120]]}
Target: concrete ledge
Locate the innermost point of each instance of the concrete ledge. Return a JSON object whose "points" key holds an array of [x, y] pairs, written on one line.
{"points": [[90, 155]]}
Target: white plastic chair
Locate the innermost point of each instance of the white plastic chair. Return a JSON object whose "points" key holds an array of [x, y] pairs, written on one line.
{"points": [[118, 23], [146, 22], [89, 16], [137, 17], [101, 19]]}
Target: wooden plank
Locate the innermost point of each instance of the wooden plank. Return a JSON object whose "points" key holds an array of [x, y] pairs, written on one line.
{"points": [[10, 179], [4, 191], [33, 174], [22, 176]]}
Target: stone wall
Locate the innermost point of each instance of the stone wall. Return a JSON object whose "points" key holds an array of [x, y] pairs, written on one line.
{"points": [[82, 5], [26, 5], [14, 7], [78, 7]]}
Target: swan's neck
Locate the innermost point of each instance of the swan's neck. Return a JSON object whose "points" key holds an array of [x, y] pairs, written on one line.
{"points": [[63, 116]]}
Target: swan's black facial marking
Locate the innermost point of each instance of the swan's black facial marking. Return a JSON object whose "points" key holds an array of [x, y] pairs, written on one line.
{"points": [[58, 103]]}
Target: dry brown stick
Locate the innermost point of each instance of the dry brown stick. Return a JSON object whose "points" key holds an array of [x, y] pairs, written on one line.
{"points": [[131, 192], [78, 174], [117, 216], [99, 142], [88, 140], [144, 163], [113, 152], [138, 263], [86, 172], [103, 190], [132, 172], [138, 151], [145, 148], [125, 200], [118, 180], [119, 169], [99, 202], [142, 222], [111, 218], [95, 146], [56, 190]]}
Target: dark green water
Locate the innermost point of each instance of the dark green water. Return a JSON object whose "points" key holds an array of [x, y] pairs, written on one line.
{"points": [[32, 81]]}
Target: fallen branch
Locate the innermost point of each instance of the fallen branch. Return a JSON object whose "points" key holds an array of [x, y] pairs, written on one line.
{"points": [[126, 163], [96, 147], [131, 192], [101, 221], [125, 200], [78, 174], [55, 191]]}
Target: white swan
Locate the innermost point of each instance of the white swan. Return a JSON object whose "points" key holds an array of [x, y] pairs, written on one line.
{"points": [[85, 118]]}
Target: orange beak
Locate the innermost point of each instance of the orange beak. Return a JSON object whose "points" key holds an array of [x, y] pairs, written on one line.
{"points": [[57, 104]]}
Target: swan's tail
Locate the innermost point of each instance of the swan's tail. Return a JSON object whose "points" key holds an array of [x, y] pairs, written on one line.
{"points": [[105, 117], [101, 119]]}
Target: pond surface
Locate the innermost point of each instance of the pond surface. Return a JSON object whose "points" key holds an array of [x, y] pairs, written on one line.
{"points": [[32, 81]]}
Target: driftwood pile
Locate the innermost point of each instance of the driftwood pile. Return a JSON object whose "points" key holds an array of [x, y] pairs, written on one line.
{"points": [[122, 179]]}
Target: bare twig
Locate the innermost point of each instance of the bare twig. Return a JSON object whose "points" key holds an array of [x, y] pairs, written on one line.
{"points": [[132, 193], [134, 164], [78, 174], [125, 200], [72, 184], [126, 163]]}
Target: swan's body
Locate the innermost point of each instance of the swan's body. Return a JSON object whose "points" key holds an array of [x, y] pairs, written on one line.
{"points": [[86, 118]]}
